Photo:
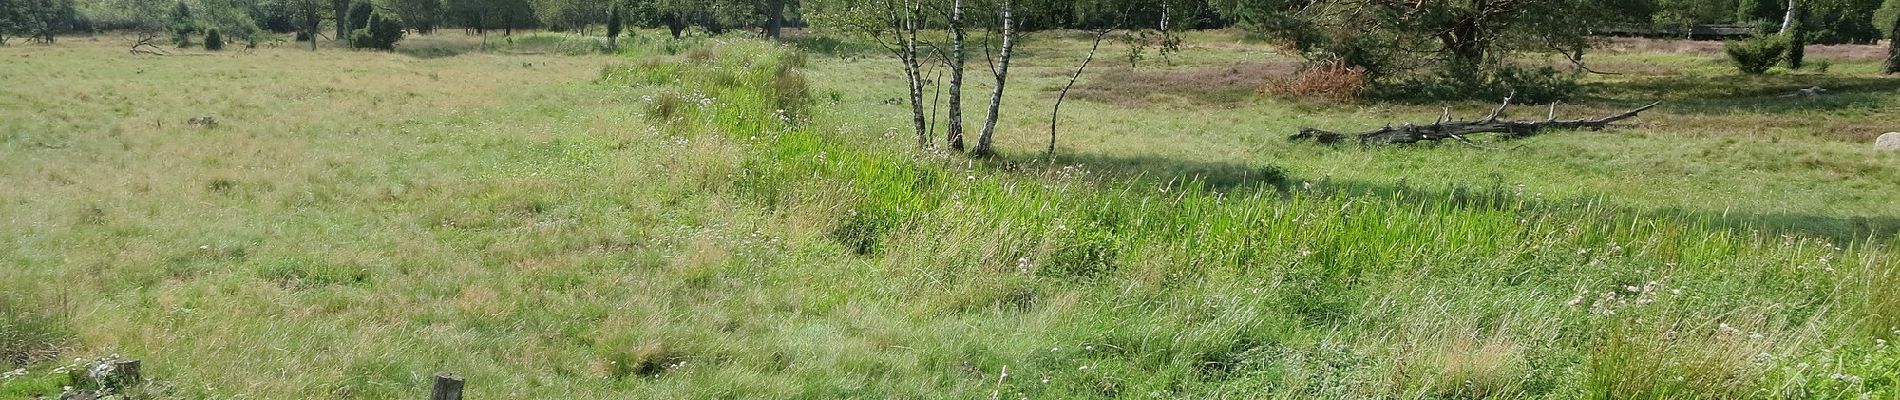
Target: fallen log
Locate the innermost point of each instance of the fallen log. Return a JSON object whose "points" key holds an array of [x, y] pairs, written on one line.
{"points": [[1445, 128]]}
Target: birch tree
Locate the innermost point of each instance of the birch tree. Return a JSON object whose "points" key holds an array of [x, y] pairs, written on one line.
{"points": [[894, 26], [986, 142]]}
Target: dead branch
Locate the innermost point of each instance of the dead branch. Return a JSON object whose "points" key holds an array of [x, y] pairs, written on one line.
{"points": [[1056, 112], [1809, 92], [144, 46], [1445, 128]]}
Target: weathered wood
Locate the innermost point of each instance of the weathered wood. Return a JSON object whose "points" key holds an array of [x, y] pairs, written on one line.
{"points": [[1056, 111], [127, 372], [143, 45], [447, 387], [1445, 128]]}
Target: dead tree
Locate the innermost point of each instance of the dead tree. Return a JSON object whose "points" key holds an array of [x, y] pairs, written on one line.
{"points": [[143, 45], [1056, 112], [1445, 128]]}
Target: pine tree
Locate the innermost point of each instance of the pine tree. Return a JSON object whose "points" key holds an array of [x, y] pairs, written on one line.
{"points": [[614, 21], [214, 41], [182, 24], [1797, 32]]}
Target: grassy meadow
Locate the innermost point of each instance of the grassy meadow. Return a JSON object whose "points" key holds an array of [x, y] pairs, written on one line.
{"points": [[729, 218]]}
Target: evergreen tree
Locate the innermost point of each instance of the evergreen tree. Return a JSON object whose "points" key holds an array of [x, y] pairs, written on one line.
{"points": [[182, 24], [214, 41], [614, 21], [1797, 32]]}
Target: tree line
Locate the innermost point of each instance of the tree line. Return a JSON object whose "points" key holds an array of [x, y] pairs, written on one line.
{"points": [[1827, 21], [43, 20]]}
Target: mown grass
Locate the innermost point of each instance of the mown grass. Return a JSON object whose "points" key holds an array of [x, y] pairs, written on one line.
{"points": [[710, 224]]}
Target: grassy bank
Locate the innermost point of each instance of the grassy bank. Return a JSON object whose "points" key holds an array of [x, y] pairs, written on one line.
{"points": [[1173, 289]]}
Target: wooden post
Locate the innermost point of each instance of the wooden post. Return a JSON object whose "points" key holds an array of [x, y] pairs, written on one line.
{"points": [[127, 372], [447, 387]]}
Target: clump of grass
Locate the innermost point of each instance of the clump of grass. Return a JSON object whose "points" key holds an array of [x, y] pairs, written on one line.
{"points": [[647, 360], [668, 106], [863, 230], [701, 55], [299, 272], [30, 334], [1084, 252]]}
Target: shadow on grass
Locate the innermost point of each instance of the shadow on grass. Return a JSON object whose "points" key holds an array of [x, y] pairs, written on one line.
{"points": [[434, 52], [1497, 196], [1727, 94], [439, 45], [833, 46]]}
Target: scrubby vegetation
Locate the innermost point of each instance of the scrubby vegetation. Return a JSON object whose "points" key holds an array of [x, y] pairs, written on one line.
{"points": [[379, 32]]}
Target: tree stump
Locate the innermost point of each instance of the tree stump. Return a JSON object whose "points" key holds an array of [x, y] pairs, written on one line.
{"points": [[447, 387]]}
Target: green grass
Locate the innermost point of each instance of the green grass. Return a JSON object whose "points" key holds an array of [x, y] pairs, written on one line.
{"points": [[1723, 145], [740, 221]]}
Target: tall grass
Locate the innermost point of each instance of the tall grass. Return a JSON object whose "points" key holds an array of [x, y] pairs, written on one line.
{"points": [[666, 231], [1175, 289]]}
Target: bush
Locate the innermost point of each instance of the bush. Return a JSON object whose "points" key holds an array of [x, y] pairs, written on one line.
{"points": [[381, 32], [1330, 80], [214, 40], [1756, 55]]}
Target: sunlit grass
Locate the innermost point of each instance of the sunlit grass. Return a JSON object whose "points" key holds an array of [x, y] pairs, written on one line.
{"points": [[706, 222]]}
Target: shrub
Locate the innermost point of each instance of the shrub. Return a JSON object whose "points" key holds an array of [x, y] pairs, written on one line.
{"points": [[1756, 55], [1330, 80], [214, 40], [381, 32]]}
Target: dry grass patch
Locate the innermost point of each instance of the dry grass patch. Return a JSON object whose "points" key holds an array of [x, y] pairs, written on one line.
{"points": [[1229, 86]]}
